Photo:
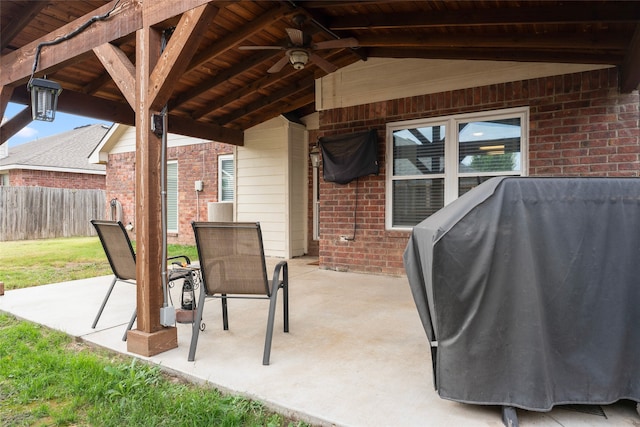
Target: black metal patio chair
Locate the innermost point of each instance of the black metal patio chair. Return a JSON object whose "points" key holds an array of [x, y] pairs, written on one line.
{"points": [[232, 265], [122, 259]]}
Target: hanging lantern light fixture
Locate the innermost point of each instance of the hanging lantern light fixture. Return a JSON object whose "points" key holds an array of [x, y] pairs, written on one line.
{"points": [[314, 155], [44, 98]]}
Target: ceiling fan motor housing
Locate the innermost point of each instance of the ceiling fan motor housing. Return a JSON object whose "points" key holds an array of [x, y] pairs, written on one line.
{"points": [[298, 58]]}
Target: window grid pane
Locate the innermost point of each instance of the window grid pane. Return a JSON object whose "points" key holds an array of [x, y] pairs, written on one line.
{"points": [[490, 146], [418, 151], [416, 199]]}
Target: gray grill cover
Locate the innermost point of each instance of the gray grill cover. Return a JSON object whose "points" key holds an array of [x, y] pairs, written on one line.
{"points": [[531, 289]]}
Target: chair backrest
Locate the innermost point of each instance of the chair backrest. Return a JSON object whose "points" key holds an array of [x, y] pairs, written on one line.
{"points": [[231, 258], [117, 247]]}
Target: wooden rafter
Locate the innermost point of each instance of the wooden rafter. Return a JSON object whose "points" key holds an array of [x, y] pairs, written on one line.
{"points": [[14, 124], [566, 13], [178, 53], [120, 68], [592, 57], [237, 37], [30, 10], [221, 78], [555, 41], [266, 101]]}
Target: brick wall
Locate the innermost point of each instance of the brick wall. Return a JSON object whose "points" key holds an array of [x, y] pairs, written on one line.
{"points": [[198, 162], [580, 125], [36, 178]]}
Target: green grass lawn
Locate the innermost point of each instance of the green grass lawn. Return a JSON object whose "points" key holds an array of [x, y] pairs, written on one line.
{"points": [[48, 379], [38, 262]]}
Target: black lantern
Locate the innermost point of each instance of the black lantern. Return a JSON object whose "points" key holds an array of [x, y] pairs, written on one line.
{"points": [[188, 295], [44, 98], [314, 155]]}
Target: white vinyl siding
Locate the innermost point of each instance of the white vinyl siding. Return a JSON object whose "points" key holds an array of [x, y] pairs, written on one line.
{"points": [[269, 172], [126, 140]]}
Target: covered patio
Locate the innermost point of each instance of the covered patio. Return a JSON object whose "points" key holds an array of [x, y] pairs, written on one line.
{"points": [[356, 354]]}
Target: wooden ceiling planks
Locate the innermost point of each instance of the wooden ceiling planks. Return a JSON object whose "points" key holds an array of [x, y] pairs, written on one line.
{"points": [[223, 85]]}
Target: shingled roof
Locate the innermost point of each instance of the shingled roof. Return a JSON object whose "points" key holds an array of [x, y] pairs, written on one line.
{"points": [[66, 152]]}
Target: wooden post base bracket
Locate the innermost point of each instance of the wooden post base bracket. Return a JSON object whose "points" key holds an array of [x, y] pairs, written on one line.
{"points": [[149, 344]]}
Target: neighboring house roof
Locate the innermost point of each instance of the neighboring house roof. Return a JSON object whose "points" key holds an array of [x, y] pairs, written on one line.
{"points": [[65, 152]]}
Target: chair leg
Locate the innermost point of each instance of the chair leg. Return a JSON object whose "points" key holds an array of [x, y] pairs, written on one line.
{"points": [[130, 325], [195, 332], [104, 302], [285, 305], [270, 321], [225, 313]]}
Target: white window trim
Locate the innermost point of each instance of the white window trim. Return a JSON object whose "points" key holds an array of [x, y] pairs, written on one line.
{"points": [[451, 153], [222, 158]]}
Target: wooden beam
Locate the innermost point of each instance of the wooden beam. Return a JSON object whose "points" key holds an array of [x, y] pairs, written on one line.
{"points": [[498, 55], [554, 41], [212, 132], [300, 102], [15, 124], [85, 105], [150, 257], [125, 19], [179, 51], [120, 68], [223, 76], [232, 40], [275, 97], [28, 12], [158, 11], [565, 13], [239, 93], [5, 96], [630, 69], [119, 112]]}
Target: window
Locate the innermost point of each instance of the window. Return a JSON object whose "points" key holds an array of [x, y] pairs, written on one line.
{"points": [[226, 178], [172, 197], [431, 162]]}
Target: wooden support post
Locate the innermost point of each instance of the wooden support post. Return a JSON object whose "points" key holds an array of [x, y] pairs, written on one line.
{"points": [[150, 337], [154, 79]]}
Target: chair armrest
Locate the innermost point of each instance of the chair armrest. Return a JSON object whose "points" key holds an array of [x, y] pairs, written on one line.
{"points": [[186, 258], [284, 267]]}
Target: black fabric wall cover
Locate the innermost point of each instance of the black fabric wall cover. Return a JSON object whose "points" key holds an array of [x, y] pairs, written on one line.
{"points": [[347, 157]]}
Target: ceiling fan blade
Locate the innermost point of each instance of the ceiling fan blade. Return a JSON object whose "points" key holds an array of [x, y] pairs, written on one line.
{"points": [[296, 36], [261, 48], [278, 65], [327, 66], [337, 44]]}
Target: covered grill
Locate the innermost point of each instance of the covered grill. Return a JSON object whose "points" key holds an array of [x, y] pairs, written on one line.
{"points": [[529, 292]]}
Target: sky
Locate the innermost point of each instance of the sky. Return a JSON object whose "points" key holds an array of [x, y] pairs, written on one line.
{"points": [[38, 129]]}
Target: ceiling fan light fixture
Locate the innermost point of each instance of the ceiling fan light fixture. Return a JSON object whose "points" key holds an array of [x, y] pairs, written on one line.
{"points": [[298, 58]]}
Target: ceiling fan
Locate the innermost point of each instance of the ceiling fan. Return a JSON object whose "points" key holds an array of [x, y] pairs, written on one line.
{"points": [[300, 49]]}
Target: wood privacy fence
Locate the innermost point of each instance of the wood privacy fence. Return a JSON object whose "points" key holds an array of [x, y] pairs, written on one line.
{"points": [[28, 213]]}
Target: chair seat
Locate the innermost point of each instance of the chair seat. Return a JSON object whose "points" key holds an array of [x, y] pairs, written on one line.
{"points": [[233, 266], [122, 259]]}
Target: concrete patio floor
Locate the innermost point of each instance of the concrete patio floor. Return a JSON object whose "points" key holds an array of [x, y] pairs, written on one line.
{"points": [[356, 354]]}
